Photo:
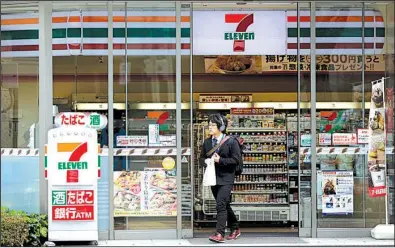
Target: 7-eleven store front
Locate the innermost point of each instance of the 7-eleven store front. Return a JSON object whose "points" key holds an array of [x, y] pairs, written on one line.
{"points": [[143, 63]]}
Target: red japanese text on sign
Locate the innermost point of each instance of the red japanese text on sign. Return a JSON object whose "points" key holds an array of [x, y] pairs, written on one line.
{"points": [[73, 119], [344, 139], [79, 197], [68, 213]]}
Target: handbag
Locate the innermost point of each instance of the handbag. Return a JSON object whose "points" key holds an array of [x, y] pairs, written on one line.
{"points": [[209, 177]]}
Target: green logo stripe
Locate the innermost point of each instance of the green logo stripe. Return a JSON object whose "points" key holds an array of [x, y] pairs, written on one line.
{"points": [[337, 32], [97, 33]]}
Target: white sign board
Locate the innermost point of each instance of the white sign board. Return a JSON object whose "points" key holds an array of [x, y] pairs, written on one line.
{"points": [[72, 171], [363, 136], [153, 134], [325, 139], [239, 32], [344, 139], [132, 140], [79, 119]]}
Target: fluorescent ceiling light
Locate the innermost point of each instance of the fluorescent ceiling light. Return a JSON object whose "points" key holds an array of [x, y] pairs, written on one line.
{"points": [[225, 105], [99, 106], [158, 106]]}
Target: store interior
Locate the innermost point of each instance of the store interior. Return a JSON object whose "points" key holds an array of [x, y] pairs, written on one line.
{"points": [[267, 197]]}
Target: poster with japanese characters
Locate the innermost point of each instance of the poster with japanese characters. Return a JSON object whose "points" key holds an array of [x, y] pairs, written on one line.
{"points": [[72, 205], [377, 141], [78, 119], [337, 196], [72, 169], [328, 63], [152, 192]]}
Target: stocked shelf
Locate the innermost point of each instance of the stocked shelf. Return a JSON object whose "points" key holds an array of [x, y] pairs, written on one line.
{"points": [[263, 182], [259, 192], [263, 163], [257, 203], [263, 173], [256, 130]]}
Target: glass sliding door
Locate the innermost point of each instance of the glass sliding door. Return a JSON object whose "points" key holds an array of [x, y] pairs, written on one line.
{"points": [[145, 174]]}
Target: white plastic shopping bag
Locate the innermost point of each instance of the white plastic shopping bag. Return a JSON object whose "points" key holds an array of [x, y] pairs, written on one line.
{"points": [[209, 177]]}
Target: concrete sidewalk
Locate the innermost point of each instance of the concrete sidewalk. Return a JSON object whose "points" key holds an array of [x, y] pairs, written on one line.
{"points": [[256, 242]]}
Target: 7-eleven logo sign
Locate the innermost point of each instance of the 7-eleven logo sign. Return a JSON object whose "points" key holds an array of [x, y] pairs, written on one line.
{"points": [[241, 35], [74, 163]]}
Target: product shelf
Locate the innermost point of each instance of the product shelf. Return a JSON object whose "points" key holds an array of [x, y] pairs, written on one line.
{"points": [[263, 182], [258, 203], [263, 163], [263, 173], [259, 192]]}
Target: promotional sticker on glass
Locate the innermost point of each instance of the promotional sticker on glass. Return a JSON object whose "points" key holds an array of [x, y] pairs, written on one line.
{"points": [[337, 192]]}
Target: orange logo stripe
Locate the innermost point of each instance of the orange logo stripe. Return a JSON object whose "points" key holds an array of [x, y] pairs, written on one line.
{"points": [[67, 147]]}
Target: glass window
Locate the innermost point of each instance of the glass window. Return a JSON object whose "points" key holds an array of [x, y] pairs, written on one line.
{"points": [[80, 74], [352, 52], [19, 76]]}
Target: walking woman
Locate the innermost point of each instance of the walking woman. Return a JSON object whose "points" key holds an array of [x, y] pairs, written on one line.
{"points": [[226, 153]]}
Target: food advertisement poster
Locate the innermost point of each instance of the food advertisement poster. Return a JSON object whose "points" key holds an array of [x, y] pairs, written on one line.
{"points": [[238, 64], [327, 63], [233, 64], [376, 146], [337, 192], [152, 192]]}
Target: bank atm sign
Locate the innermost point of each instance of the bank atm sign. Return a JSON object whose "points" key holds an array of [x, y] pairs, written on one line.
{"points": [[72, 205]]}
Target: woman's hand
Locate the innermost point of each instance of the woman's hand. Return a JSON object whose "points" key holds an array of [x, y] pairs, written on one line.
{"points": [[216, 157]]}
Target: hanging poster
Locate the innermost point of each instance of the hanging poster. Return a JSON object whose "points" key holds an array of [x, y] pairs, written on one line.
{"points": [[152, 192], [376, 157], [337, 192]]}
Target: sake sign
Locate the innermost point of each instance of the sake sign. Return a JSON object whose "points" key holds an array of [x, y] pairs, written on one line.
{"points": [[72, 169]]}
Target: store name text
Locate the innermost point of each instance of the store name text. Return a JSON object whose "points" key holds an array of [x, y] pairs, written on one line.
{"points": [[240, 36], [73, 165]]}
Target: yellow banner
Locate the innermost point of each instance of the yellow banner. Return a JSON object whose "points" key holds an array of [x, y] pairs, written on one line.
{"points": [[329, 63]]}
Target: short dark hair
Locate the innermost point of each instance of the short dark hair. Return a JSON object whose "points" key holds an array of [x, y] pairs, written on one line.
{"points": [[216, 119]]}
